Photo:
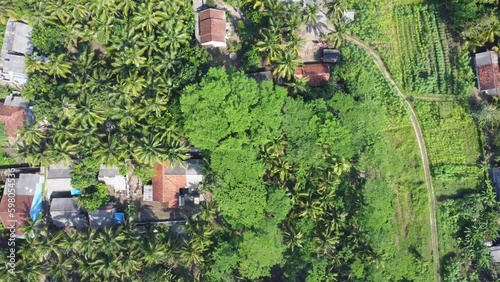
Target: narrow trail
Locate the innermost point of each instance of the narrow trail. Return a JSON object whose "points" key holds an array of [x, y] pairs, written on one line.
{"points": [[421, 145]]}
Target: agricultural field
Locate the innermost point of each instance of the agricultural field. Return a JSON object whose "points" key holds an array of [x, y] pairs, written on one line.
{"points": [[425, 58], [415, 44], [453, 145]]}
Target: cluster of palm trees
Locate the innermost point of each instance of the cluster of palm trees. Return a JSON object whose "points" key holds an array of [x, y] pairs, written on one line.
{"points": [[109, 95], [324, 196], [279, 41], [120, 254]]}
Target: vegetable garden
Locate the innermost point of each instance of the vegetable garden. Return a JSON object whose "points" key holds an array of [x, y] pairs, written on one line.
{"points": [[453, 146], [426, 60]]}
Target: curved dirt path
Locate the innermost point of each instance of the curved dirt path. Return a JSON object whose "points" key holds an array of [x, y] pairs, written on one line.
{"points": [[421, 145]]}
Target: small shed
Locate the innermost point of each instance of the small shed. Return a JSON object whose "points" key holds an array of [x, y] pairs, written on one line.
{"points": [[102, 218], [331, 56], [349, 16], [261, 76], [65, 212]]}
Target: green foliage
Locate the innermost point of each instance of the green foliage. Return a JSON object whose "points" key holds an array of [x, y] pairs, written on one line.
{"points": [[225, 105], [94, 197], [46, 39], [259, 251], [251, 60], [471, 221], [5, 91], [144, 172]]}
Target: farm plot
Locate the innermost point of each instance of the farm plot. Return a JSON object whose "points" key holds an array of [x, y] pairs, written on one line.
{"points": [[426, 61], [453, 146]]}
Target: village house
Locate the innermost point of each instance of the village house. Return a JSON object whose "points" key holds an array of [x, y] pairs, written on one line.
{"points": [[317, 74], [112, 178], [65, 212], [16, 44], [173, 185], [15, 112], [27, 201], [212, 28], [59, 182], [488, 72]]}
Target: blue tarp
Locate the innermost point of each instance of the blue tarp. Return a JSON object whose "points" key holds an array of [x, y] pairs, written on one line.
{"points": [[36, 205], [75, 192], [119, 218]]}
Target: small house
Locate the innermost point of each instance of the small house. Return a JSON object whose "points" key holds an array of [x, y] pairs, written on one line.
{"points": [[59, 182], [349, 16], [16, 44], [488, 72], [103, 217], [212, 28], [331, 56], [65, 212], [317, 74], [27, 199], [261, 76], [111, 177], [170, 179]]}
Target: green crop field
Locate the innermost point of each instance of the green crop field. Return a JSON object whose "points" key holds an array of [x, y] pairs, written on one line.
{"points": [[426, 62], [452, 142]]}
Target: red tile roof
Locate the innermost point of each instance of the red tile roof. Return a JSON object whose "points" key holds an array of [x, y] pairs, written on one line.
{"points": [[318, 74], [212, 25], [166, 187], [21, 214], [489, 76], [12, 118]]}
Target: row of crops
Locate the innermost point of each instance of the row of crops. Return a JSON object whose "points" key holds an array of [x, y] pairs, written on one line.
{"points": [[426, 60], [452, 144]]}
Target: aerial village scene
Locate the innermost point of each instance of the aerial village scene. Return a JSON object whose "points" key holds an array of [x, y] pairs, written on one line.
{"points": [[249, 140]]}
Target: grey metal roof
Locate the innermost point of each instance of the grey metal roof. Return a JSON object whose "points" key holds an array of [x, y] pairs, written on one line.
{"points": [[193, 167], [102, 218], [64, 204], [188, 167], [261, 76], [331, 55], [26, 184], [58, 171], [486, 58], [16, 101], [22, 39], [106, 171]]}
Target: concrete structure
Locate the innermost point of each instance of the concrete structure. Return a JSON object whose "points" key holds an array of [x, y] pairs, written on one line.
{"points": [[111, 176], [212, 28], [488, 72], [16, 44], [495, 253], [58, 181], [66, 213]]}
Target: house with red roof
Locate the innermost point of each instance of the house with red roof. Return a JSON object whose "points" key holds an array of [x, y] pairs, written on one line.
{"points": [[212, 28], [12, 118], [318, 74], [488, 72], [172, 181]]}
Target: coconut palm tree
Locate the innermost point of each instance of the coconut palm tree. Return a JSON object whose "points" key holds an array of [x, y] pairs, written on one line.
{"points": [[286, 64], [148, 17], [59, 66], [148, 149], [270, 44], [310, 16]]}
